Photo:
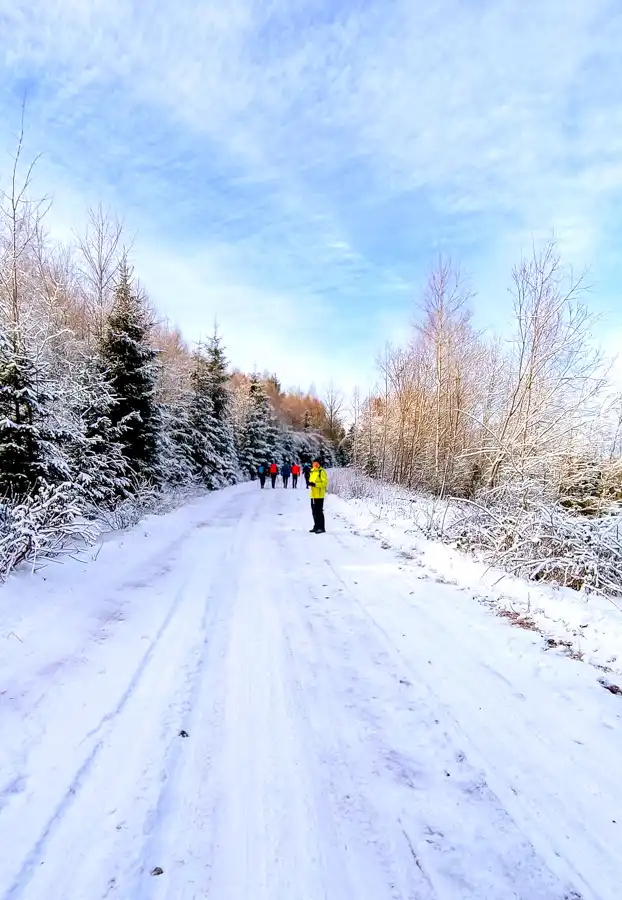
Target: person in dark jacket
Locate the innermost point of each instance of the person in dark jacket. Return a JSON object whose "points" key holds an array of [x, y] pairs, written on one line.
{"points": [[261, 471], [306, 471], [295, 474], [286, 471], [274, 471]]}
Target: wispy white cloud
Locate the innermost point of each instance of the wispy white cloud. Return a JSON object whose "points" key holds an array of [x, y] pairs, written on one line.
{"points": [[311, 156]]}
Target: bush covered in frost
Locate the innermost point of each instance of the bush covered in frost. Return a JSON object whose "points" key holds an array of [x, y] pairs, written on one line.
{"points": [[46, 524], [514, 527], [525, 534]]}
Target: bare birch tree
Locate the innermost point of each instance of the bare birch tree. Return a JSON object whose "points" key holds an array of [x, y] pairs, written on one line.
{"points": [[101, 249], [333, 400], [457, 412], [555, 372]]}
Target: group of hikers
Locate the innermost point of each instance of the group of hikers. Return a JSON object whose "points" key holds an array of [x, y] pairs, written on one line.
{"points": [[316, 480], [286, 472]]}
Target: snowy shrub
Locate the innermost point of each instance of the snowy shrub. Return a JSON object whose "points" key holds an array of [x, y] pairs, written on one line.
{"points": [[53, 521], [540, 540], [144, 501], [352, 485], [425, 513], [44, 525], [512, 527]]}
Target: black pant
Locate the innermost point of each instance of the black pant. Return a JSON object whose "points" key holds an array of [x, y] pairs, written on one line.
{"points": [[294, 481], [307, 480], [273, 480], [317, 508], [285, 480], [262, 480]]}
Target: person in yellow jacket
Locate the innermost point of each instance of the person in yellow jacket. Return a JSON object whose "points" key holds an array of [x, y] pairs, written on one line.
{"points": [[318, 482]]}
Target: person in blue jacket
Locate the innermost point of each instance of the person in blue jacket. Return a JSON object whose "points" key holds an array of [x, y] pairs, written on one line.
{"points": [[286, 471], [262, 471]]}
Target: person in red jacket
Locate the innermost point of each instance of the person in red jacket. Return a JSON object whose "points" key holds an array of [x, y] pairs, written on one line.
{"points": [[274, 471], [295, 474]]}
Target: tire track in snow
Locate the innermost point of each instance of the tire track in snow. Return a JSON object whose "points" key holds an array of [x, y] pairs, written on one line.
{"points": [[370, 854], [100, 734], [509, 861], [112, 821], [184, 770], [145, 567], [460, 666], [34, 698], [355, 824], [32, 859], [16, 785], [473, 781]]}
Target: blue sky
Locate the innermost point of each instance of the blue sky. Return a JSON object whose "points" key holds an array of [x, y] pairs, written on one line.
{"points": [[292, 166]]}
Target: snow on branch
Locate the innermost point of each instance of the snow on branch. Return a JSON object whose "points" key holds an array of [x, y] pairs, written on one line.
{"points": [[43, 526]]}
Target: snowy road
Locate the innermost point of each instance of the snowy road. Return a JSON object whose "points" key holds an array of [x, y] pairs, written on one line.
{"points": [[356, 730]]}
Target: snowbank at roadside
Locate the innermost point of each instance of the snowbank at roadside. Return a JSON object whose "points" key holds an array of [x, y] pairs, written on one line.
{"points": [[586, 626]]}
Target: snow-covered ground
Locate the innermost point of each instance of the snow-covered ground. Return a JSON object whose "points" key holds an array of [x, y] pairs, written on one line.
{"points": [[250, 711], [587, 626]]}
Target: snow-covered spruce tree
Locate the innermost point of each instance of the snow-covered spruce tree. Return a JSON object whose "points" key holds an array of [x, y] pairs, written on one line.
{"points": [[345, 450], [95, 447], [29, 439], [177, 443], [128, 361], [216, 385], [289, 450], [275, 437], [304, 446], [256, 429], [203, 425], [326, 452], [314, 445]]}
